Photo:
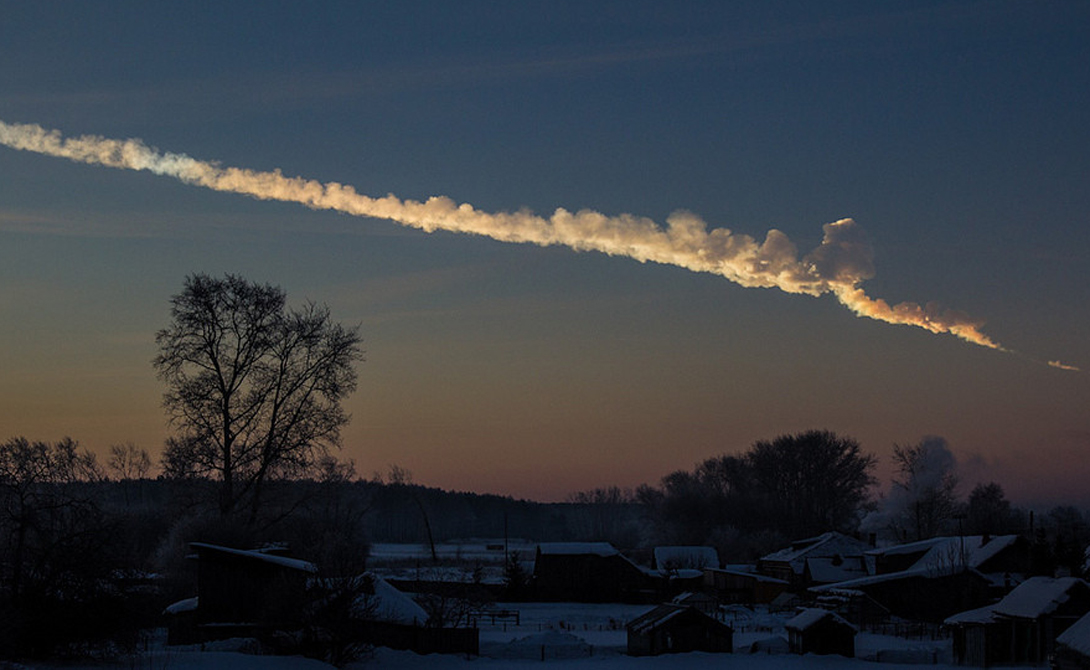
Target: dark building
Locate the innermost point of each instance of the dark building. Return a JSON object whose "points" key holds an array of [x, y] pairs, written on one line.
{"points": [[741, 587], [671, 629], [1024, 627], [818, 631], [590, 572], [241, 593]]}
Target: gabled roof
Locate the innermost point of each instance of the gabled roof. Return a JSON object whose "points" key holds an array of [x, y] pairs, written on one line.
{"points": [[648, 621], [1038, 596], [947, 552], [1077, 637], [258, 555], [890, 577], [824, 545], [1033, 598], [811, 616], [830, 569]]}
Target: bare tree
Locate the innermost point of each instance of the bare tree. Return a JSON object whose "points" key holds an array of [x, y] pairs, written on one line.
{"points": [[127, 461], [253, 388]]}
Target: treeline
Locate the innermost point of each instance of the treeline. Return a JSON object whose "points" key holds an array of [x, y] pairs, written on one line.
{"points": [[91, 552]]}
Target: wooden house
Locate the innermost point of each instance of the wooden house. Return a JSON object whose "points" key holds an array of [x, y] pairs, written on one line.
{"points": [[818, 631], [789, 564], [591, 572], [919, 595], [240, 593], [672, 628], [1023, 627]]}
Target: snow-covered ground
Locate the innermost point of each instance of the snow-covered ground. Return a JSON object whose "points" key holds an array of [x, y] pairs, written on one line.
{"points": [[573, 636]]}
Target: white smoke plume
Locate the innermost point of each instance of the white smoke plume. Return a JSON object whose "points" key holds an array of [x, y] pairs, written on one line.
{"points": [[838, 265]]}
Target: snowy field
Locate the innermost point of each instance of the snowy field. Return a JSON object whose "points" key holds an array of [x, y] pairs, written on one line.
{"points": [[570, 636]]}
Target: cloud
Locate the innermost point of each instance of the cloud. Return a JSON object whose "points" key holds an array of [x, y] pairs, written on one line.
{"points": [[838, 266]]}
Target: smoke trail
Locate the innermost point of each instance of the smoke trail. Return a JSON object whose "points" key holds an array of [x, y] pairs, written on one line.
{"points": [[838, 265]]}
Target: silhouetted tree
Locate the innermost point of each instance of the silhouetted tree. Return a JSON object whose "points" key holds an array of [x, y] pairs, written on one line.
{"points": [[988, 512], [813, 481], [791, 486], [254, 388], [57, 559]]}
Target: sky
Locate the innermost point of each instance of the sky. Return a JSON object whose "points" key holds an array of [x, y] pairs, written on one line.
{"points": [[585, 319]]}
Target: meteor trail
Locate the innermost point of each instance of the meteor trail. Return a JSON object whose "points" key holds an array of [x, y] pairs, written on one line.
{"points": [[839, 265]]}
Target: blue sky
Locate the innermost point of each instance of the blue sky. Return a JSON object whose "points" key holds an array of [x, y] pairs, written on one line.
{"points": [[953, 133]]}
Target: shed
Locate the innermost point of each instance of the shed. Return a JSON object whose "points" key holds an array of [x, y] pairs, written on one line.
{"points": [[241, 592], [674, 628], [818, 631]]}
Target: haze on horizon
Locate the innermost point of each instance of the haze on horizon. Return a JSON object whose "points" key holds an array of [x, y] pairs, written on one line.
{"points": [[950, 132]]}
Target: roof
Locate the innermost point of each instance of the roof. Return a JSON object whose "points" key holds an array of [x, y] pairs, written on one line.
{"points": [[825, 545], [829, 569], [577, 549], [258, 555], [1032, 599], [389, 604], [811, 616], [1038, 596], [980, 615], [686, 557], [1077, 637], [948, 552], [887, 577], [648, 621]]}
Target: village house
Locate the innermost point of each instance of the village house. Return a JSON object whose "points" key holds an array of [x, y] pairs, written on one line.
{"points": [[1023, 627], [241, 593], [931, 579], [818, 631], [790, 564], [591, 572], [673, 628], [738, 586], [1003, 559]]}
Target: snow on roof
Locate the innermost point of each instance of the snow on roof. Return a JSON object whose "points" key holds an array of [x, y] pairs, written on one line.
{"points": [[660, 615], [945, 552], [810, 616], [257, 555], [827, 544], [879, 579], [1038, 596], [827, 570], [577, 549], [1077, 636], [187, 605], [389, 604], [686, 557], [980, 615], [1033, 598]]}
